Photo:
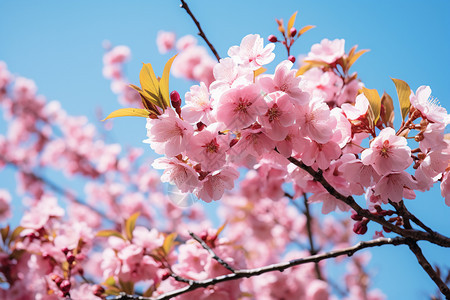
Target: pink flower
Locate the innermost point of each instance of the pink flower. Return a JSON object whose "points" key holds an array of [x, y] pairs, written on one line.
{"points": [[239, 107], [284, 80], [5, 200], [178, 173], [208, 149], [215, 184], [165, 41], [355, 171], [387, 153], [445, 188], [198, 106], [315, 121], [360, 108], [194, 63], [228, 75], [327, 51], [117, 55], [392, 187], [322, 154], [185, 42], [252, 52], [279, 116], [168, 134], [253, 142], [429, 108]]}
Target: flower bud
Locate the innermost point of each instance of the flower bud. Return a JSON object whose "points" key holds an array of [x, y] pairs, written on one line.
{"points": [[65, 250], [175, 99], [292, 58], [293, 31], [165, 275], [272, 38], [56, 279], [70, 258], [360, 227], [356, 217], [98, 290], [65, 286]]}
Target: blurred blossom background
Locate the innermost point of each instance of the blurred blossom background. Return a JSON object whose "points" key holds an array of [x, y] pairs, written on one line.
{"points": [[60, 45]]}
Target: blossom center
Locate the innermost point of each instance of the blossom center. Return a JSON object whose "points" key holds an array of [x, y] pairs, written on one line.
{"points": [[273, 113], [385, 149], [242, 105], [212, 146]]}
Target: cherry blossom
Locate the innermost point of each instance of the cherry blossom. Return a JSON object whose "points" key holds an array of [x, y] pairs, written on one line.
{"points": [[252, 52]]}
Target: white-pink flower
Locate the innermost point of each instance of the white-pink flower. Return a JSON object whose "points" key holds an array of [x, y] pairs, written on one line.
{"points": [[239, 107], [168, 134], [165, 41], [445, 188], [252, 53], [284, 80], [387, 153], [315, 121], [178, 173], [215, 184], [198, 106], [327, 51], [360, 108], [392, 187], [278, 117], [429, 107]]}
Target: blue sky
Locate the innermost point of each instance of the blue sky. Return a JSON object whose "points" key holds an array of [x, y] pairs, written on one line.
{"points": [[59, 45]]}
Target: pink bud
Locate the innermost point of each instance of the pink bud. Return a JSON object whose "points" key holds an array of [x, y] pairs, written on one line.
{"points": [[98, 290], [65, 250], [175, 99], [165, 275], [272, 38], [293, 31], [70, 258], [360, 227], [291, 58], [65, 286]]}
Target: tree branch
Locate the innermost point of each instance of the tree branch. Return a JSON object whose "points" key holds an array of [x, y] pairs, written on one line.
{"points": [[312, 249], [437, 238], [200, 31], [239, 274], [423, 262], [211, 252]]}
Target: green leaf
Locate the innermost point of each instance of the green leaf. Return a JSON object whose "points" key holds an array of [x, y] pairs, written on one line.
{"points": [[148, 79], [291, 23], [164, 82], [403, 93], [108, 233], [128, 112], [374, 101], [110, 281], [168, 242], [305, 29], [130, 223]]}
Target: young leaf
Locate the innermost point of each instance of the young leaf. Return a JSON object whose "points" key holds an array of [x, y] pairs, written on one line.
{"points": [[128, 112], [355, 57], [387, 115], [258, 72], [16, 232], [4, 231], [291, 23], [305, 29], [130, 223], [374, 101], [108, 233], [110, 281], [168, 242], [164, 82], [221, 228], [127, 287], [403, 93]]}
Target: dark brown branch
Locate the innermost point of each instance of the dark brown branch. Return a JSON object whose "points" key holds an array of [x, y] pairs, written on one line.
{"points": [[200, 31], [437, 238], [423, 262], [239, 274], [211, 252], [312, 249]]}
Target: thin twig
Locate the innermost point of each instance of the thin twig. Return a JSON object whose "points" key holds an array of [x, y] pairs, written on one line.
{"points": [[312, 249], [211, 252], [239, 274], [423, 262], [200, 30], [436, 238]]}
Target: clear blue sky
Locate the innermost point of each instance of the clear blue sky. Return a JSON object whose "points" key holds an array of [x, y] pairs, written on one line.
{"points": [[58, 44]]}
